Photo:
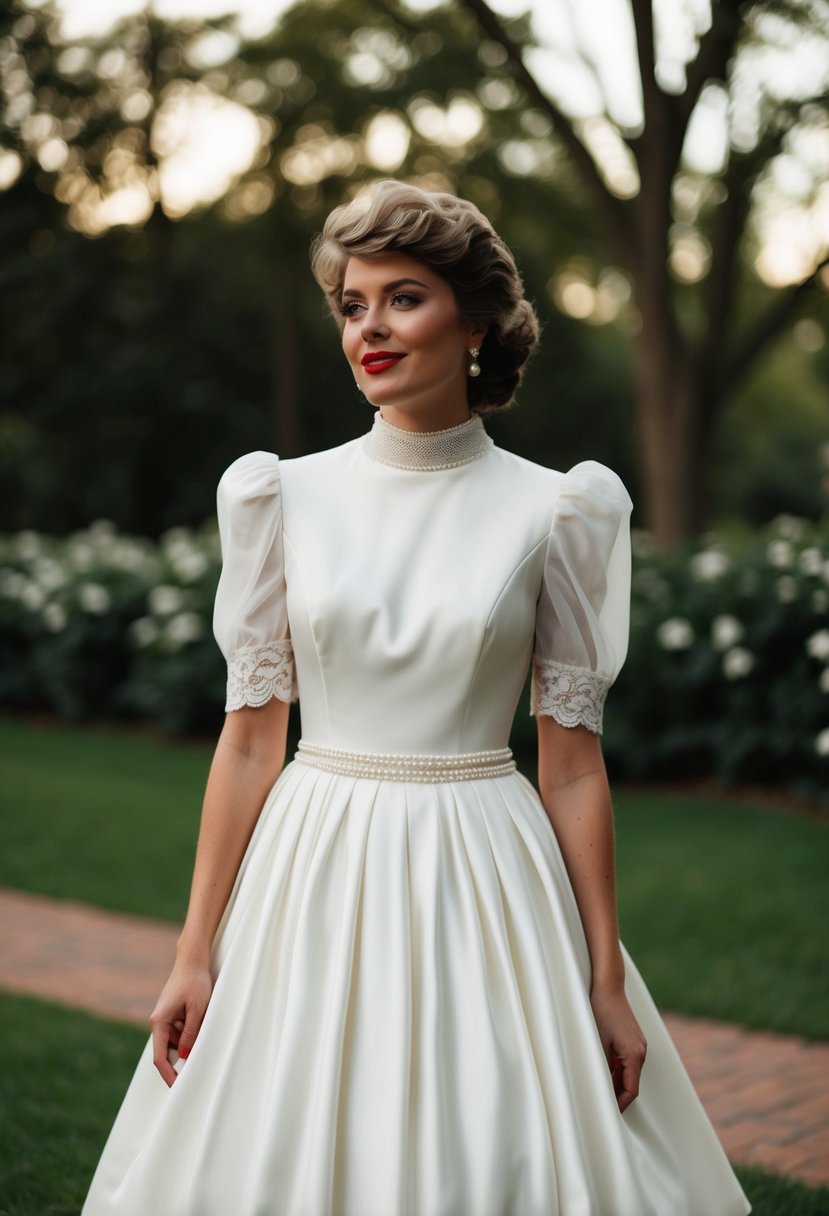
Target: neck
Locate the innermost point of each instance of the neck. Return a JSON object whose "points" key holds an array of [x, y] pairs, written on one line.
{"points": [[446, 447], [425, 420]]}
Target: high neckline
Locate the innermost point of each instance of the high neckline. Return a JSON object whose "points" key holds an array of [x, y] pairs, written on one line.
{"points": [[427, 451]]}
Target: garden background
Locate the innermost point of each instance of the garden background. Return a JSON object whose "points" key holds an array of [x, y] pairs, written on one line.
{"points": [[660, 175]]}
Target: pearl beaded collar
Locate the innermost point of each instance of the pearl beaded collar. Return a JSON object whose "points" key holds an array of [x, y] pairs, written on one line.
{"points": [[427, 451]]}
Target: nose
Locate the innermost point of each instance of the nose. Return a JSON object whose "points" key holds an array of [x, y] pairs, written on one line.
{"points": [[373, 326]]}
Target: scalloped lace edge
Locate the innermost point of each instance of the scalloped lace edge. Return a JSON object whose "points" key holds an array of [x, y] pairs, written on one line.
{"points": [[256, 673], [574, 696]]}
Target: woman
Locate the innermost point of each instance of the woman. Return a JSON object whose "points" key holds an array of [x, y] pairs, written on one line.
{"points": [[399, 989]]}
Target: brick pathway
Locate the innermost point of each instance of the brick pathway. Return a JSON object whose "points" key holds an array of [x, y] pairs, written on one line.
{"points": [[767, 1094]]}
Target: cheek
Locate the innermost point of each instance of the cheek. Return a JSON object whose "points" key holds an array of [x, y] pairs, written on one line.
{"points": [[349, 343], [436, 333]]}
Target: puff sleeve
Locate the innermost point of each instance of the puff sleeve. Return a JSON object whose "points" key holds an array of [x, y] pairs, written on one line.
{"points": [[583, 612], [250, 615]]}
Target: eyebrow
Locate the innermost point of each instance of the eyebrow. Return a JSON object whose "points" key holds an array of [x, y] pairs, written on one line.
{"points": [[351, 291]]}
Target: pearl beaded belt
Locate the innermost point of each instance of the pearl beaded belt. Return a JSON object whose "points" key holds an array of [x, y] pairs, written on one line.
{"points": [[388, 766]]}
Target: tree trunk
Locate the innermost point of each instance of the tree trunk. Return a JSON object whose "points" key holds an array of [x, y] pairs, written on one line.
{"points": [[285, 370], [664, 405]]}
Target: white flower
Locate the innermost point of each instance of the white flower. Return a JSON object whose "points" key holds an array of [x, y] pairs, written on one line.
{"points": [[29, 545], [789, 526], [737, 663], [641, 542], [822, 743], [811, 561], [780, 554], [190, 565], [32, 596], [820, 600], [164, 600], [126, 555], [709, 565], [786, 589], [12, 583], [823, 682], [54, 617], [50, 574], [817, 646], [184, 628], [144, 631], [675, 633], [175, 539], [726, 631], [101, 530], [81, 555], [94, 598]]}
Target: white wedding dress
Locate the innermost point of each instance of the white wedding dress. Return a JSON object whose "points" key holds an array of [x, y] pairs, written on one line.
{"points": [[401, 1023]]}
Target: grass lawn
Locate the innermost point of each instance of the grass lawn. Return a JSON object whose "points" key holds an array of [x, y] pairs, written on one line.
{"points": [[107, 818], [723, 907], [62, 1079]]}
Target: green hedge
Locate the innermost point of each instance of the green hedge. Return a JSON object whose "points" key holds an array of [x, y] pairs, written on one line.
{"points": [[102, 625], [727, 674]]}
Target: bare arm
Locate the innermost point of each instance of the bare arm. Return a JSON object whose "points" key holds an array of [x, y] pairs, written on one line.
{"points": [[574, 791], [249, 756]]}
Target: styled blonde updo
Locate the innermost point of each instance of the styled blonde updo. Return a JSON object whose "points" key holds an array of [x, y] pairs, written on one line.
{"points": [[452, 237]]}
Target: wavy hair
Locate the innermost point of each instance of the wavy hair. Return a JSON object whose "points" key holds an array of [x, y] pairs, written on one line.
{"points": [[455, 240]]}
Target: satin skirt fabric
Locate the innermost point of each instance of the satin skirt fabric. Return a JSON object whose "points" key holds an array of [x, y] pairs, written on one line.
{"points": [[401, 1026]]}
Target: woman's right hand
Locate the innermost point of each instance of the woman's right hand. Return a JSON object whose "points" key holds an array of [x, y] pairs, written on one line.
{"points": [[245, 766], [178, 1015]]}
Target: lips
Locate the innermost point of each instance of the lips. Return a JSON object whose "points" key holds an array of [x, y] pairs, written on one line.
{"points": [[381, 360]]}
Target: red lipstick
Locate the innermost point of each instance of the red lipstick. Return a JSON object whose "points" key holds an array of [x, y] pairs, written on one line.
{"points": [[381, 360]]}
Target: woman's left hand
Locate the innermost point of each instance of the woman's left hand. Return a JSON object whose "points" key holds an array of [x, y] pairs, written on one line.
{"points": [[622, 1039]]}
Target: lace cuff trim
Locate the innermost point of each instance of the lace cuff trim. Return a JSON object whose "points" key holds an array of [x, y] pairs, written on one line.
{"points": [[571, 695], [255, 673]]}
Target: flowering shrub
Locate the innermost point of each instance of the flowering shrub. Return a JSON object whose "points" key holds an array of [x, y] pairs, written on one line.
{"points": [[727, 672], [102, 625]]}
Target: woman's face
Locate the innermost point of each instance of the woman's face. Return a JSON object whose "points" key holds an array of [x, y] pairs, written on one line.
{"points": [[405, 341]]}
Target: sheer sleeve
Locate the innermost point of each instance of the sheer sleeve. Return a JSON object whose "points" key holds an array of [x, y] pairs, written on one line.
{"points": [[250, 615], [583, 612]]}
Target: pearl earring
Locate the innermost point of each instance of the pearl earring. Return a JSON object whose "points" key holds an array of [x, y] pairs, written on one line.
{"points": [[474, 368]]}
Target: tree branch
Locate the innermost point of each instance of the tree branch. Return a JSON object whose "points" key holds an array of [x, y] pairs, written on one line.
{"points": [[619, 229], [646, 54], [717, 291], [768, 326], [715, 50]]}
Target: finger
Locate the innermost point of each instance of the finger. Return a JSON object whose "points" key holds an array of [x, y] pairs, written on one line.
{"points": [[175, 1034], [161, 1051], [187, 1037], [628, 1088]]}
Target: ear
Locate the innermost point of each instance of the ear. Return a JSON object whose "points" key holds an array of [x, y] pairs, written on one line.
{"points": [[476, 333]]}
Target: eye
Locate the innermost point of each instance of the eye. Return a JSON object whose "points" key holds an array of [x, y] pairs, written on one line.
{"points": [[405, 298], [349, 308]]}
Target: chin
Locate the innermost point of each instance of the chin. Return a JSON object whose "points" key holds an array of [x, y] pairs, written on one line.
{"points": [[375, 395]]}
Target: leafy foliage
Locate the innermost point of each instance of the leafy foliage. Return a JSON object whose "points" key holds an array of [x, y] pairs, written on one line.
{"points": [[138, 356], [727, 673]]}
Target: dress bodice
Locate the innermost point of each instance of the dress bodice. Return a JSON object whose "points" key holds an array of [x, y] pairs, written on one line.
{"points": [[410, 601], [411, 598]]}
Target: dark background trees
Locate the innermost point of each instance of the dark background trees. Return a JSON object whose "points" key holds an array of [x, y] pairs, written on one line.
{"points": [[137, 358], [700, 337]]}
